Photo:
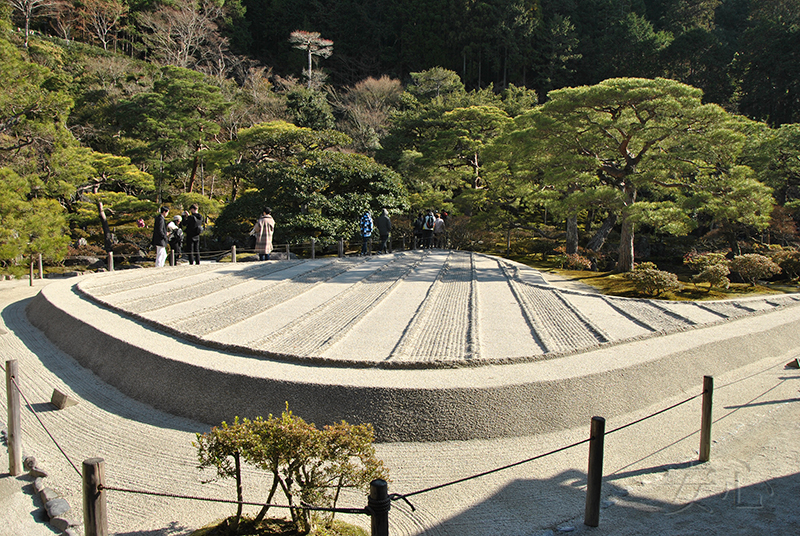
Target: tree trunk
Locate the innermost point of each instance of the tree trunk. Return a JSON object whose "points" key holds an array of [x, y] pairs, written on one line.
{"points": [[625, 260], [106, 229], [572, 234], [597, 242]]}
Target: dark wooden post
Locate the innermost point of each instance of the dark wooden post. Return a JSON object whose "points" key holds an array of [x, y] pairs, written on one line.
{"points": [[705, 424], [313, 248], [14, 427], [95, 519], [233, 254], [379, 505], [287, 251], [341, 247], [41, 269], [595, 472]]}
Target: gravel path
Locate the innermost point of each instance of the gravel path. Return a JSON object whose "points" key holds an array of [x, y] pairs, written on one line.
{"points": [[750, 486]]}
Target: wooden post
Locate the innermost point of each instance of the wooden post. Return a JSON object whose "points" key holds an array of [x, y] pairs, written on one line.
{"points": [[379, 504], [705, 424], [233, 254], [313, 248], [95, 516], [31, 284], [111, 261], [41, 270], [341, 247], [14, 426], [595, 472]]}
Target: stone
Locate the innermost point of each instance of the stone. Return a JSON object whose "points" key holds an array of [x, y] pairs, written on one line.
{"points": [[61, 401], [606, 504], [62, 523], [37, 472], [48, 495], [56, 507], [795, 363], [566, 528], [70, 532], [38, 484], [29, 462]]}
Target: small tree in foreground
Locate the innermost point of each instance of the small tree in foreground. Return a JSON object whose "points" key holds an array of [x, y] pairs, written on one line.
{"points": [[310, 466]]}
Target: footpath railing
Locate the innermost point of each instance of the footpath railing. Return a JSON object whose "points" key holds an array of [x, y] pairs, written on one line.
{"points": [[301, 250], [95, 489]]}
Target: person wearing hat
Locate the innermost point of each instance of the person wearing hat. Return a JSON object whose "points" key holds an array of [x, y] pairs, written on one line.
{"points": [[175, 239]]}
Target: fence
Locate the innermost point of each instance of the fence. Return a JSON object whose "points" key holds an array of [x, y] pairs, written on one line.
{"points": [[301, 250], [379, 500]]}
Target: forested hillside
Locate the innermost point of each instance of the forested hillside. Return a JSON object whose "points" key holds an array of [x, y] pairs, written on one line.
{"points": [[606, 120]]}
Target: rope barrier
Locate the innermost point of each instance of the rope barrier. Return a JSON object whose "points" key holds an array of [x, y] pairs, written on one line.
{"points": [[301, 506], [655, 414], [404, 496], [52, 438]]}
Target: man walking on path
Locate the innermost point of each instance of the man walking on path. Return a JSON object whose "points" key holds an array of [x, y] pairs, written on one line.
{"points": [[438, 231], [160, 236], [384, 228], [194, 226]]}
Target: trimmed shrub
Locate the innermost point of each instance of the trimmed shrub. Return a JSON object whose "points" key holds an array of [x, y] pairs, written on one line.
{"points": [[701, 261], [716, 275], [789, 261], [752, 267], [574, 261], [648, 279]]}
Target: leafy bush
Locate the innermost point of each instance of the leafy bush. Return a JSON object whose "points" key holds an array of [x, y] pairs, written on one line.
{"points": [[575, 261], [752, 267], [309, 465], [789, 261], [648, 279], [715, 275], [701, 261]]}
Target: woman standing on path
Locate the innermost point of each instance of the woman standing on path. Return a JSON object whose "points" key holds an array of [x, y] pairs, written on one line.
{"points": [[263, 230]]}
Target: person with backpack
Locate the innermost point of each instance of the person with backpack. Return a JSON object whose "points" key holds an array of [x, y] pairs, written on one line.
{"points": [[194, 226], [175, 239], [427, 230], [366, 231], [384, 229]]}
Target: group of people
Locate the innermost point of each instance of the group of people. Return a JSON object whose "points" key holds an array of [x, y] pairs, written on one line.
{"points": [[429, 229], [384, 225], [190, 225]]}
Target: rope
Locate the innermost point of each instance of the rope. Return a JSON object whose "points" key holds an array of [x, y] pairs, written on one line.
{"points": [[30, 407], [302, 506], [655, 414], [405, 496]]}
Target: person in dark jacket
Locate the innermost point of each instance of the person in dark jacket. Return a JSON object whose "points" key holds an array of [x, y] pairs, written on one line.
{"points": [[160, 237], [365, 224], [384, 228], [194, 226]]}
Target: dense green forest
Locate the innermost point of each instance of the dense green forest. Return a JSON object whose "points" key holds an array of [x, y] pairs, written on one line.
{"points": [[621, 129]]}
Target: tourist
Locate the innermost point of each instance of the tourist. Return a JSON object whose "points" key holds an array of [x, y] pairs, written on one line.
{"points": [[366, 231], [263, 230], [438, 231], [384, 228], [175, 239], [160, 236], [194, 226], [427, 230], [418, 223]]}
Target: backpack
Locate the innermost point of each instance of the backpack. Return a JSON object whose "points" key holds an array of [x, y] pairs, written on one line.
{"points": [[428, 223]]}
